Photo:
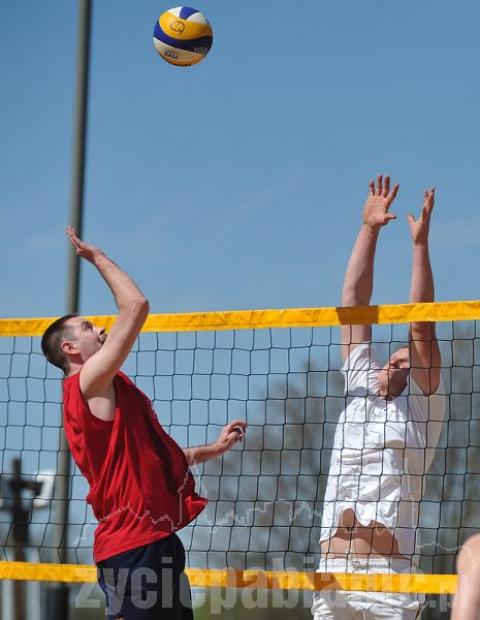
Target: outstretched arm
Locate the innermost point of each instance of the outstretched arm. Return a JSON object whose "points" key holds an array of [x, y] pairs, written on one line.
{"points": [[98, 371], [466, 603], [358, 282], [424, 351], [230, 434]]}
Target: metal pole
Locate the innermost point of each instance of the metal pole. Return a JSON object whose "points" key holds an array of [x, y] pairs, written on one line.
{"points": [[20, 519], [79, 145], [57, 596]]}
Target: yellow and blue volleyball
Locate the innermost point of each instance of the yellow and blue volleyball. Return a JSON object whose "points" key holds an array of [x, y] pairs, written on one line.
{"points": [[182, 36]]}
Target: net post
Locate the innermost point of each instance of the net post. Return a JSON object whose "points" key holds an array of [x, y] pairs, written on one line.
{"points": [[57, 595], [20, 519]]}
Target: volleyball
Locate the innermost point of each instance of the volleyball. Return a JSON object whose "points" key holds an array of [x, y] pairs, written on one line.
{"points": [[182, 36]]}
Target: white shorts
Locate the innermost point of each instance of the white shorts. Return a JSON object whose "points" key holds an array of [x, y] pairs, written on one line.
{"points": [[342, 605]]}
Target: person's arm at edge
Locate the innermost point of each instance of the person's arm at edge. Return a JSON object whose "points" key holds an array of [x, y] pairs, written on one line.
{"points": [[424, 350], [230, 434], [98, 371], [358, 281], [466, 602]]}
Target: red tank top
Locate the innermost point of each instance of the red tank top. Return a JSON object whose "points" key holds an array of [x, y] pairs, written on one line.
{"points": [[141, 488]]}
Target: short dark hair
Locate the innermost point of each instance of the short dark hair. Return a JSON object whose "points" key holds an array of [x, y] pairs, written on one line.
{"points": [[52, 340]]}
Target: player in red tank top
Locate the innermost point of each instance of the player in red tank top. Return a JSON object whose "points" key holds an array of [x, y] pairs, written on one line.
{"points": [[141, 487]]}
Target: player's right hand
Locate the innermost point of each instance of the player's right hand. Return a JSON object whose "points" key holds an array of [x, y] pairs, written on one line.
{"points": [[85, 250]]}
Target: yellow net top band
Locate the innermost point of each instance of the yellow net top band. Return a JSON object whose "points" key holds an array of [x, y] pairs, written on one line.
{"points": [[263, 319]]}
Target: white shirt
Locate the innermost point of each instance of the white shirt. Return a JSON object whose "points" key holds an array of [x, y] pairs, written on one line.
{"points": [[381, 451]]}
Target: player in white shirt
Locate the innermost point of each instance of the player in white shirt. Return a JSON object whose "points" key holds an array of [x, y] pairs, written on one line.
{"points": [[386, 436]]}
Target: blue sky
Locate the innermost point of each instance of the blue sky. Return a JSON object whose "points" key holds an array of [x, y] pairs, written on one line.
{"points": [[239, 183]]}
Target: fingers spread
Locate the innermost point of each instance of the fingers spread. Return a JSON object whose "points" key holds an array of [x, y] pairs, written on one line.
{"points": [[386, 187], [379, 185], [371, 186], [392, 195]]}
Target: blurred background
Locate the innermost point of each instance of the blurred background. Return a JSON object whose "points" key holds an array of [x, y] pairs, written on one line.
{"points": [[239, 182]]}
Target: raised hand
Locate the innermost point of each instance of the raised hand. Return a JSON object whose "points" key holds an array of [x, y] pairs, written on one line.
{"points": [[419, 228], [85, 250], [375, 211]]}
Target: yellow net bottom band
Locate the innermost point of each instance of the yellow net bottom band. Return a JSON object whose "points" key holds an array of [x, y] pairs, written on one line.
{"points": [[269, 580]]}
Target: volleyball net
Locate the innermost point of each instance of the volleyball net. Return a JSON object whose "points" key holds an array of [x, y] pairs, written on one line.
{"points": [[278, 370]]}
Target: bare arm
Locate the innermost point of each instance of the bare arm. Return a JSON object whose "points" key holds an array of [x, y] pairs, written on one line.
{"points": [[424, 351], [228, 437], [98, 371], [466, 603], [358, 281]]}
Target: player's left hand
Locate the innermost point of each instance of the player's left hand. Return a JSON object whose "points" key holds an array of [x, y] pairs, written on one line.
{"points": [[230, 434], [376, 210], [419, 228]]}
